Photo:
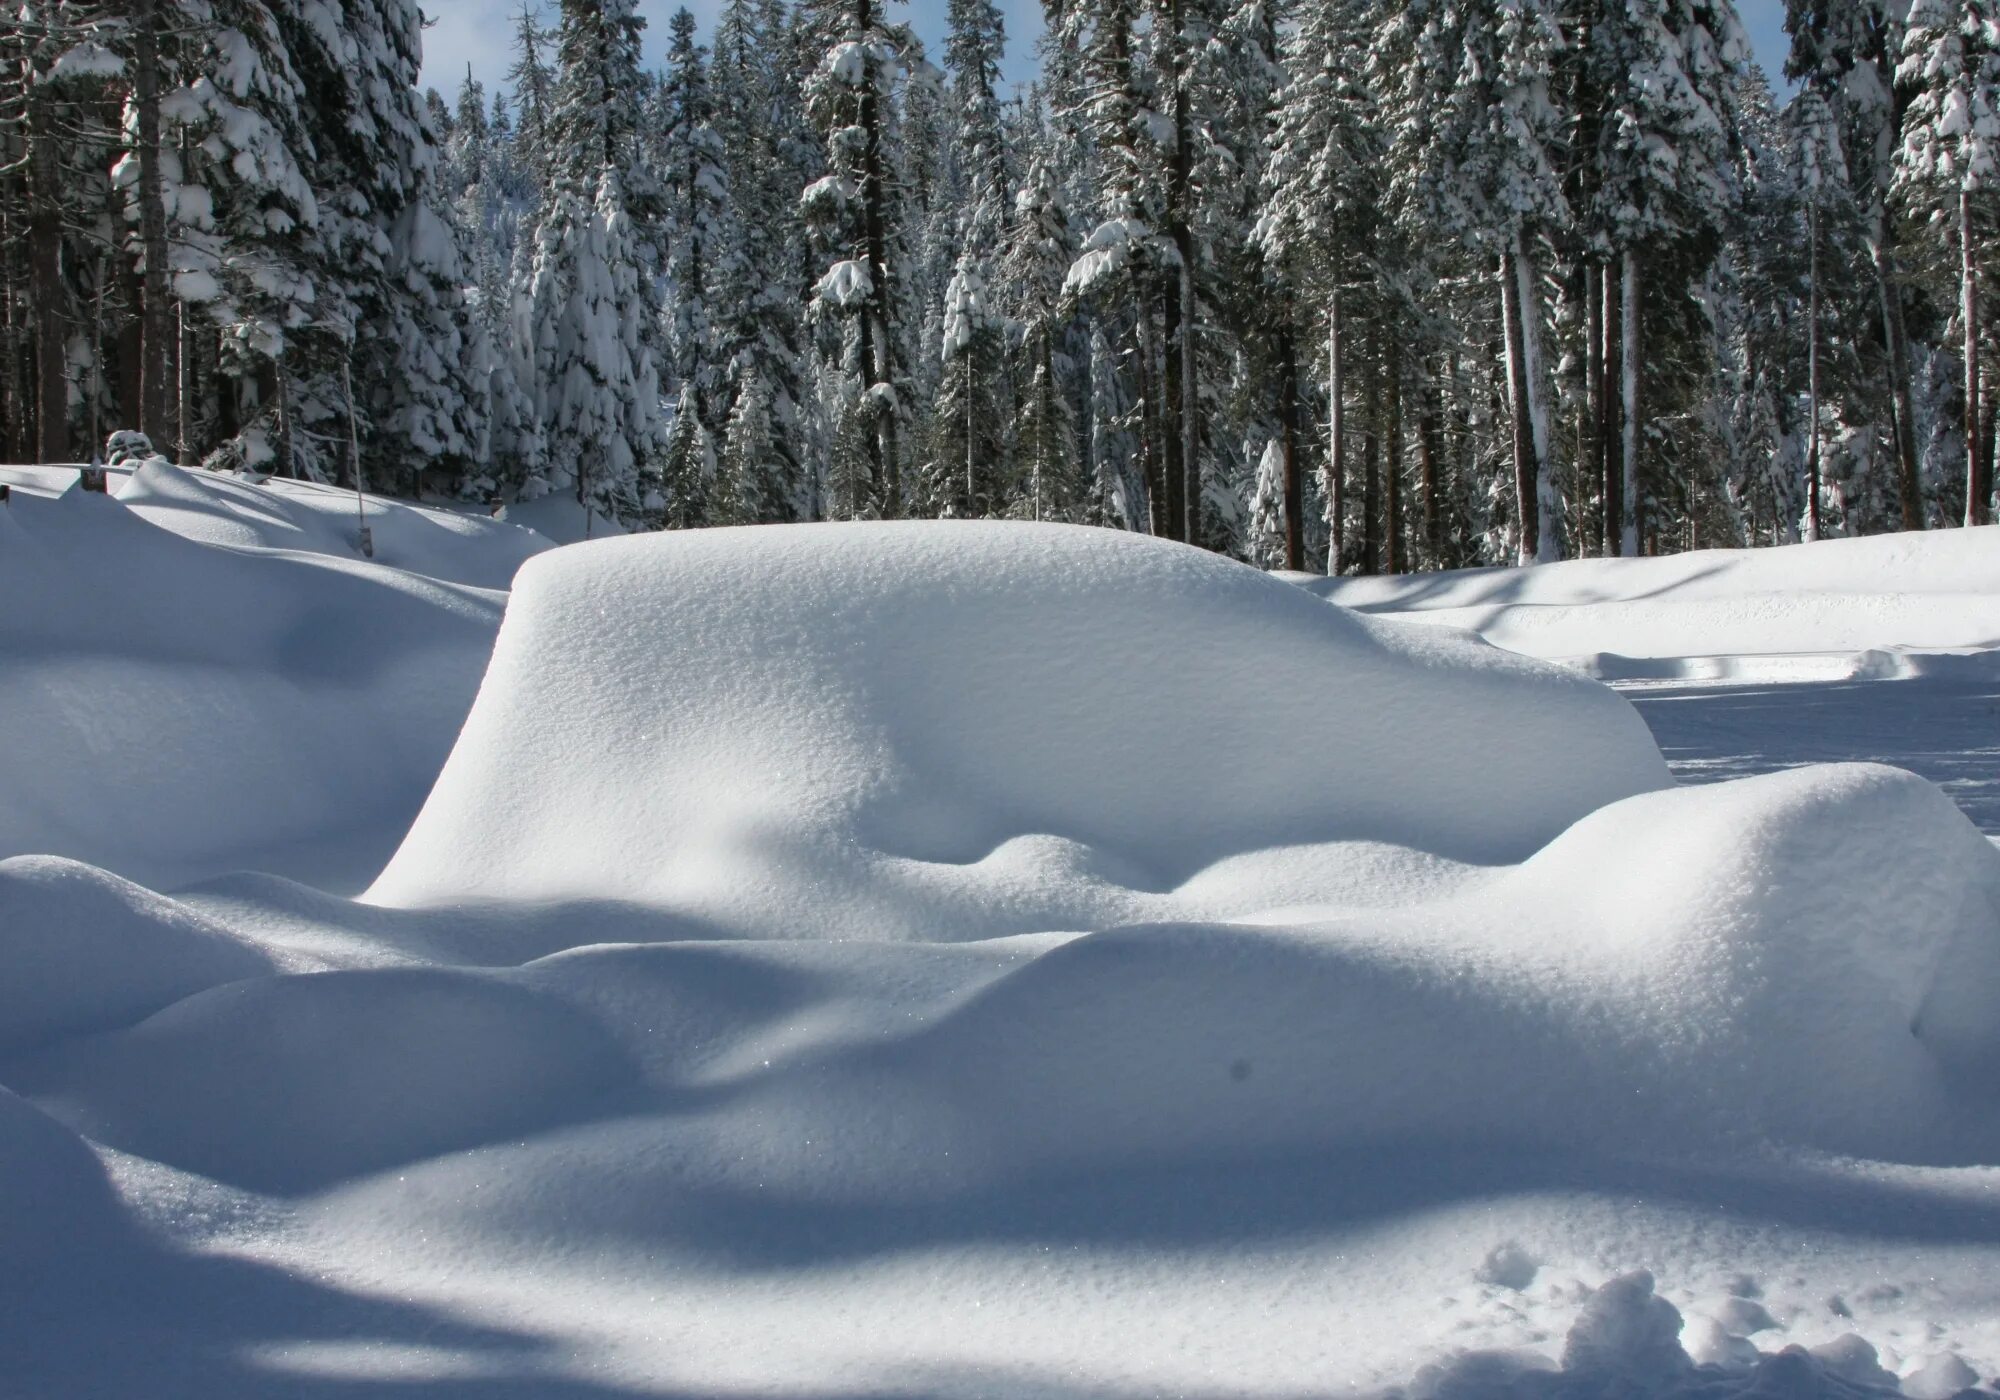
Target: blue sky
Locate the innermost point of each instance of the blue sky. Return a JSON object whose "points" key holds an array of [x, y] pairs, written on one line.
{"points": [[476, 32]]}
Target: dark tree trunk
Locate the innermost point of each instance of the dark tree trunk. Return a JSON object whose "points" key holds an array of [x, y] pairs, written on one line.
{"points": [[1520, 391], [1593, 398], [1173, 466], [1430, 432], [1610, 421], [1336, 446], [1295, 498], [156, 324], [1629, 417], [1182, 341], [1813, 522], [1392, 466], [1371, 456], [45, 289], [1901, 409], [1975, 476]]}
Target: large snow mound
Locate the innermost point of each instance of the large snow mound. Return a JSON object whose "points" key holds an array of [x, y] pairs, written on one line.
{"points": [[1848, 599], [852, 731], [178, 708]]}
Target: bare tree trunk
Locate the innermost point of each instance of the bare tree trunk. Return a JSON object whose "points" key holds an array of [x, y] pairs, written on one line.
{"points": [[14, 410], [184, 390], [1592, 444], [1392, 467], [1295, 499], [1633, 518], [154, 324], [1975, 478], [45, 289], [1813, 530], [1610, 432], [1896, 337], [287, 463], [880, 367], [1429, 431], [1157, 516], [1336, 447], [1371, 455], [1527, 462], [1181, 338], [1173, 441]]}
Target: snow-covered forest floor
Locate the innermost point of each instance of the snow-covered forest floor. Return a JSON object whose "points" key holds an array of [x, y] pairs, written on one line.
{"points": [[971, 959]]}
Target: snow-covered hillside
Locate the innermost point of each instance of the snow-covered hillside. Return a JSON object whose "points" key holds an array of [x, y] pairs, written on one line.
{"points": [[955, 959], [1830, 610]]}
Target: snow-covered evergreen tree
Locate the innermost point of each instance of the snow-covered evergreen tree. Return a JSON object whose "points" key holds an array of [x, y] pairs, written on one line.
{"points": [[1947, 170]]}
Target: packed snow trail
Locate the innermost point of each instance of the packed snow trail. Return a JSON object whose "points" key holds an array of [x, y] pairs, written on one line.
{"points": [[846, 961]]}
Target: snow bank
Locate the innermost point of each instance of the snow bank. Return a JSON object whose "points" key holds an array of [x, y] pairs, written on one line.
{"points": [[289, 1082], [224, 509], [178, 708], [81, 950], [794, 730], [54, 1199], [1929, 591]]}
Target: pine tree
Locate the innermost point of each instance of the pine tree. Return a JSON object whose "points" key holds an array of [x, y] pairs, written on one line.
{"points": [[1946, 171], [592, 293], [692, 161], [855, 209], [1036, 257], [968, 431], [1317, 228], [688, 468], [752, 468]]}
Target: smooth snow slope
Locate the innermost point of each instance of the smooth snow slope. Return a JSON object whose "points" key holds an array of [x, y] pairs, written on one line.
{"points": [[185, 701], [221, 508], [1837, 600], [961, 960]]}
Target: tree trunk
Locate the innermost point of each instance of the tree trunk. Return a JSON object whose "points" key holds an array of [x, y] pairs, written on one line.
{"points": [[1812, 381], [1371, 455], [1182, 343], [1295, 501], [1896, 337], [1429, 445], [1975, 478], [880, 366], [1157, 517], [14, 411], [1336, 448], [1592, 443], [155, 324], [45, 289], [1610, 433], [1527, 461], [1633, 514], [1173, 442], [1392, 466]]}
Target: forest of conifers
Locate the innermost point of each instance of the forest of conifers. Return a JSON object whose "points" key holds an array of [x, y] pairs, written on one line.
{"points": [[1353, 285]]}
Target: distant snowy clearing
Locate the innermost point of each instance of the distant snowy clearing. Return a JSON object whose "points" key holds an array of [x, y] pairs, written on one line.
{"points": [[965, 959]]}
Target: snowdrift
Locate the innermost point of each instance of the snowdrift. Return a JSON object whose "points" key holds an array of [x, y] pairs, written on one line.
{"points": [[223, 509], [880, 731], [961, 959], [179, 706], [1856, 603]]}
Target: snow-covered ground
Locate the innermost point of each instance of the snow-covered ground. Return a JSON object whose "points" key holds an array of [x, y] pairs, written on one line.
{"points": [[976, 959]]}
